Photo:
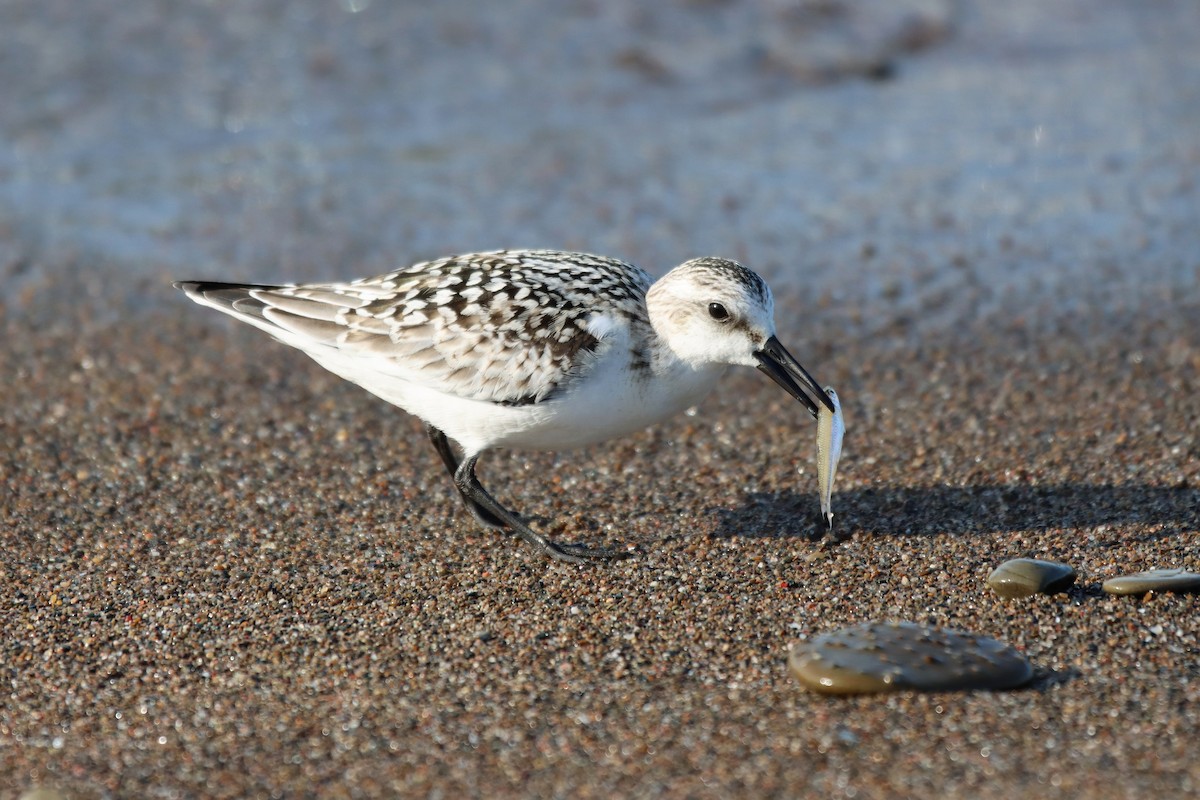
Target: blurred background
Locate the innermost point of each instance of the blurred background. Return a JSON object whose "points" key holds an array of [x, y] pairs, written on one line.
{"points": [[896, 168]]}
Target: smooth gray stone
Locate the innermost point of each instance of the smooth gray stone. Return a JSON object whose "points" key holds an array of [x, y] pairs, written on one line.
{"points": [[890, 656], [1022, 577], [1155, 580], [43, 794]]}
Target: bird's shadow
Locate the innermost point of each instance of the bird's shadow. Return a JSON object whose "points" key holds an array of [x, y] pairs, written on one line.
{"points": [[981, 510]]}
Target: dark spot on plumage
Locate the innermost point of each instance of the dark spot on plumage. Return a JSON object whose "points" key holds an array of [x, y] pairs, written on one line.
{"points": [[739, 324], [497, 316], [639, 359], [725, 270], [582, 341], [524, 400]]}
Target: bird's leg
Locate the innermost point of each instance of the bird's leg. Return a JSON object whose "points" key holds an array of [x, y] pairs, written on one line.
{"points": [[481, 514], [474, 493]]}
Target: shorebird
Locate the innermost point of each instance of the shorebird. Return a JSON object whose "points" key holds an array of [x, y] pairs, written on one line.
{"points": [[528, 349]]}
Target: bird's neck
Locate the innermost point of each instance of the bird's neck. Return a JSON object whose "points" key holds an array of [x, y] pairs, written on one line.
{"points": [[664, 367]]}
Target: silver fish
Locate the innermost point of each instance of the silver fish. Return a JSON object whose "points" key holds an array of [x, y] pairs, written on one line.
{"points": [[830, 428]]}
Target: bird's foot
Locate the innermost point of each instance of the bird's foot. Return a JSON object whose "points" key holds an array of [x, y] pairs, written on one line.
{"points": [[484, 517], [581, 554]]}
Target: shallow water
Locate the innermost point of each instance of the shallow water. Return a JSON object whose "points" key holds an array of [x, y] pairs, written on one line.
{"points": [[1015, 162]]}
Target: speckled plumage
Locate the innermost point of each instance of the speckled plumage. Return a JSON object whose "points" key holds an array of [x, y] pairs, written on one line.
{"points": [[538, 349], [503, 327], [506, 327]]}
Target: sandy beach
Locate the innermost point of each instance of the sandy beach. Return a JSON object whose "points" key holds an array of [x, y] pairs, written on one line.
{"points": [[215, 593], [230, 574]]}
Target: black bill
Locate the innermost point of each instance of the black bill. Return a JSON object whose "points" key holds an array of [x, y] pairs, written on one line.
{"points": [[778, 363]]}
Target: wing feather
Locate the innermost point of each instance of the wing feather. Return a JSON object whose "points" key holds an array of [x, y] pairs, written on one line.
{"points": [[510, 327]]}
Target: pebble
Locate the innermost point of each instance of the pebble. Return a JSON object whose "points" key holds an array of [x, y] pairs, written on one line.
{"points": [[1022, 577], [43, 794], [890, 656], [1155, 580]]}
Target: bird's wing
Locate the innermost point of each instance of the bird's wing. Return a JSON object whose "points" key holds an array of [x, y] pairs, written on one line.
{"points": [[507, 327]]}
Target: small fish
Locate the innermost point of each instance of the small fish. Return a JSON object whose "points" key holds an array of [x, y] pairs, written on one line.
{"points": [[830, 429]]}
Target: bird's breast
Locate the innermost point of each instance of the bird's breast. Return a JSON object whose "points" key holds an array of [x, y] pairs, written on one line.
{"points": [[614, 399]]}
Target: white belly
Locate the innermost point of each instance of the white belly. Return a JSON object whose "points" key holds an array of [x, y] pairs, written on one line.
{"points": [[603, 406]]}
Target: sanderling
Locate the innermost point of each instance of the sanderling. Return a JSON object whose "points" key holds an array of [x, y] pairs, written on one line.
{"points": [[532, 349]]}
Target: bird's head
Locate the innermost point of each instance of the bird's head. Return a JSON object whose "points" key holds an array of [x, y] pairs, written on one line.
{"points": [[712, 311]]}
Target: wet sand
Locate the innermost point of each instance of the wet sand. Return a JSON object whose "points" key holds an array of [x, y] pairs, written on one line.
{"points": [[230, 574]]}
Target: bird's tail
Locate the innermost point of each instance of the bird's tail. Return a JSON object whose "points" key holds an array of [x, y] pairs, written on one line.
{"points": [[235, 299]]}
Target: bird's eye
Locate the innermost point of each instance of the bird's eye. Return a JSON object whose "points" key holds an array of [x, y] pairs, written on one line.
{"points": [[718, 312]]}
